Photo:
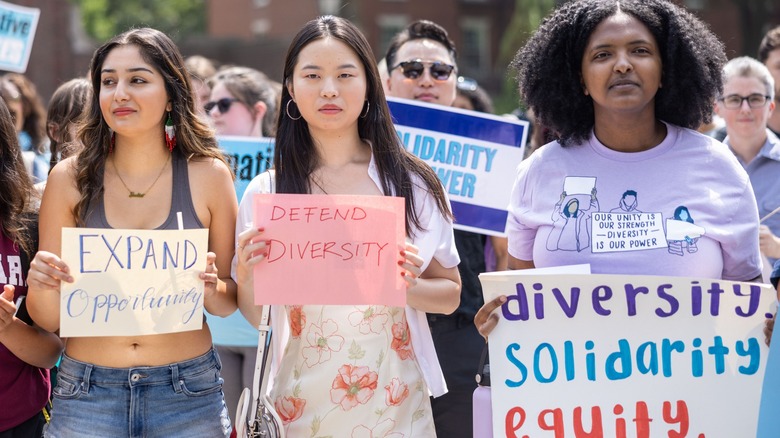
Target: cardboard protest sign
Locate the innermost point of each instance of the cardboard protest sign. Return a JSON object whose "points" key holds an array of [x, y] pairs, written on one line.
{"points": [[619, 356], [17, 32], [132, 282], [475, 155], [330, 249], [249, 157]]}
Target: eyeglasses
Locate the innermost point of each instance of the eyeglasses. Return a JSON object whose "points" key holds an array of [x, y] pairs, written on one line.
{"points": [[414, 69], [223, 105], [734, 101]]}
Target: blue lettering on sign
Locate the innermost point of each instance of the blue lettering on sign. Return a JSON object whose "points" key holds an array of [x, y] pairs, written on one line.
{"points": [[130, 252], [676, 357]]}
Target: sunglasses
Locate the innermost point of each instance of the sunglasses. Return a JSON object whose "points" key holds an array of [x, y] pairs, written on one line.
{"points": [[414, 69], [223, 105]]}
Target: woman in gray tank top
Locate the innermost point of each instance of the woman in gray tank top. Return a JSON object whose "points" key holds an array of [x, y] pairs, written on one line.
{"points": [[146, 157]]}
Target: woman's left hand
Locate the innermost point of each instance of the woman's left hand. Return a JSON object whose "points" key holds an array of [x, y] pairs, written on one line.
{"points": [[210, 276], [411, 265]]}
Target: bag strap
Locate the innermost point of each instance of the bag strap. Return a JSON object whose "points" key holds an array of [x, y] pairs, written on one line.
{"points": [[260, 379], [483, 369]]}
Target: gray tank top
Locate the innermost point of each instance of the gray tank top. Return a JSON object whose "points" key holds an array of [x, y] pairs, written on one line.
{"points": [[181, 200]]}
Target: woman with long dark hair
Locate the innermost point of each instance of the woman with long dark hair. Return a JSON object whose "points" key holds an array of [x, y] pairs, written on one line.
{"points": [[335, 136], [146, 156]]}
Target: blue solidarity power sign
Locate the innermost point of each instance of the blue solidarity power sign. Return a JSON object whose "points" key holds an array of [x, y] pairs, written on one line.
{"points": [[474, 154]]}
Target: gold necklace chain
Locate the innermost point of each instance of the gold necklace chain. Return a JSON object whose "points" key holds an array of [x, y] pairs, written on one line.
{"points": [[140, 194]]}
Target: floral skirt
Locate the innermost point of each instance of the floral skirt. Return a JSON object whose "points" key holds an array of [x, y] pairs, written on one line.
{"points": [[350, 371]]}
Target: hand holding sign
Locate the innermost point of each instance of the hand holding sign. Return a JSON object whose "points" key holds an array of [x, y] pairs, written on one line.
{"points": [[7, 307], [411, 265]]}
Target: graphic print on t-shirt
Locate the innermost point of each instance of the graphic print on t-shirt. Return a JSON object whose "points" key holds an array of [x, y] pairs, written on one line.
{"points": [[571, 217], [682, 233], [578, 223]]}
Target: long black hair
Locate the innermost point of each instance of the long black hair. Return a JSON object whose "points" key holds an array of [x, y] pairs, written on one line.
{"points": [[295, 157]]}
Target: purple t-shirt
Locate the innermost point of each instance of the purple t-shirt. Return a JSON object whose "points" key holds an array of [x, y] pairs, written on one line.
{"points": [[682, 208], [24, 389]]}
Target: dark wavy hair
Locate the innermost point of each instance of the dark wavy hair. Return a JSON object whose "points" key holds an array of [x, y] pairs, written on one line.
{"points": [[549, 65], [34, 113], [16, 203], [421, 29], [66, 106], [295, 157], [770, 42], [193, 137]]}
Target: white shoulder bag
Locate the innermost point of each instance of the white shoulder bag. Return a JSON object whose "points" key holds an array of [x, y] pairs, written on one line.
{"points": [[259, 420]]}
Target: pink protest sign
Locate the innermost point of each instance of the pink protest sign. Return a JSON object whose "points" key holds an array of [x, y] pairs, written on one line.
{"points": [[330, 249]]}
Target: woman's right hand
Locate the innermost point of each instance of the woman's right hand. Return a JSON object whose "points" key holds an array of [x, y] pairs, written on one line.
{"points": [[47, 271], [486, 319], [251, 250]]}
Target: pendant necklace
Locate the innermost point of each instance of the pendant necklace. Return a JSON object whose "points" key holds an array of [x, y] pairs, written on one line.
{"points": [[139, 194]]}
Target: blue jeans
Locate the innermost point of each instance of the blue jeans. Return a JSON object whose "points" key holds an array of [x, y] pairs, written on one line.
{"points": [[183, 399]]}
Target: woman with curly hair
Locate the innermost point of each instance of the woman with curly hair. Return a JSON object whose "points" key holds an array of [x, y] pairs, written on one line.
{"points": [[135, 172], [624, 84]]}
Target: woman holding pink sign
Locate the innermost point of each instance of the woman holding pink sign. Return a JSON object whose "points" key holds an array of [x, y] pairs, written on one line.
{"points": [[146, 156], [350, 370]]}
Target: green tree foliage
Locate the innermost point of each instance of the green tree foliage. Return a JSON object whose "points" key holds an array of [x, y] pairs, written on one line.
{"points": [[526, 18], [178, 18]]}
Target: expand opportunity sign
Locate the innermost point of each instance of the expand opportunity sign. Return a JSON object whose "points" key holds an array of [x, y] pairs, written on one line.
{"points": [[474, 154], [132, 282], [626, 356]]}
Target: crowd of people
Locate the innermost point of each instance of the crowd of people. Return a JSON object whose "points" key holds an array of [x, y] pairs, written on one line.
{"points": [[617, 92]]}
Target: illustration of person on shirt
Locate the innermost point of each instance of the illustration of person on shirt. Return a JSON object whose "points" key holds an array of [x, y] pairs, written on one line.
{"points": [[681, 234], [571, 223], [628, 203]]}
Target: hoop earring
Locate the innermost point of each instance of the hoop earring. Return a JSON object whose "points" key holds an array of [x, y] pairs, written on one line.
{"points": [[287, 110], [368, 107]]}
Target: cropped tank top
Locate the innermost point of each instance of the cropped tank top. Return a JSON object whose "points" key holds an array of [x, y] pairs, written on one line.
{"points": [[181, 200]]}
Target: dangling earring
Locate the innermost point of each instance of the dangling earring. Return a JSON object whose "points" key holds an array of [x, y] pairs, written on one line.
{"points": [[287, 110], [170, 133], [368, 107]]}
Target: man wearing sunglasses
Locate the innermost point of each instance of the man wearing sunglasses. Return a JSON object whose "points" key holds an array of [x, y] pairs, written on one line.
{"points": [[421, 66]]}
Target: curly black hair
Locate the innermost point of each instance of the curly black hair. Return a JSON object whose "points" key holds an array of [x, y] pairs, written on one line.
{"points": [[549, 65]]}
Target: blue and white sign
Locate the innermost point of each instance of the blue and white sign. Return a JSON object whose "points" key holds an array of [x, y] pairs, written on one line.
{"points": [[249, 157], [17, 31], [474, 154]]}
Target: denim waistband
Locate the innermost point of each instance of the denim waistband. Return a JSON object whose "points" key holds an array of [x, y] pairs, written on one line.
{"points": [[89, 373]]}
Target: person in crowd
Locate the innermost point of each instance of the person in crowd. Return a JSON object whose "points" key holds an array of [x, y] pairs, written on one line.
{"points": [[66, 105], [240, 100], [22, 99], [27, 352], [769, 54], [335, 137], [747, 103], [146, 156], [624, 84], [471, 96], [421, 65], [200, 70]]}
